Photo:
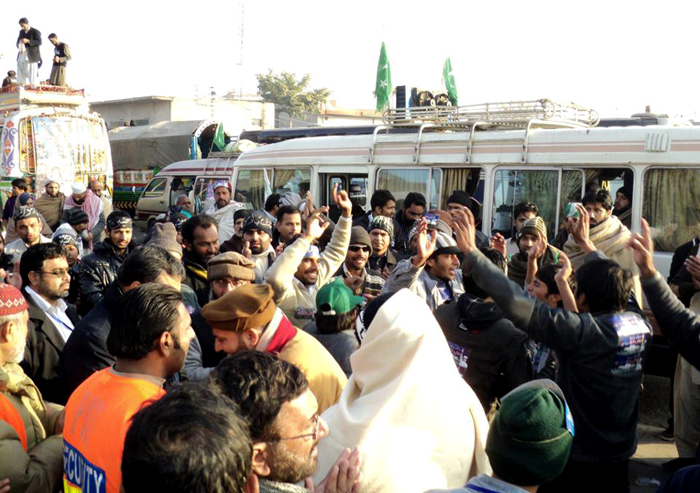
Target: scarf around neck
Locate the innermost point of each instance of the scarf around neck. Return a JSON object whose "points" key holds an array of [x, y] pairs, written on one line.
{"points": [[14, 381]]}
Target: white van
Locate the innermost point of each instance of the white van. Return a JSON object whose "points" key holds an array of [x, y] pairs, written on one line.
{"points": [[194, 178]]}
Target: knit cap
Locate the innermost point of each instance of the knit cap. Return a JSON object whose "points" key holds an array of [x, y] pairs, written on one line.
{"points": [[290, 198], [531, 435], [534, 226], [241, 213], [76, 216], [11, 301], [230, 264], [383, 223], [165, 236], [359, 236], [248, 307]]}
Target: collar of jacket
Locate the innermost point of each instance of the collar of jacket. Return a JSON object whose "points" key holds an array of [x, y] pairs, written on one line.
{"points": [[106, 246], [193, 266]]}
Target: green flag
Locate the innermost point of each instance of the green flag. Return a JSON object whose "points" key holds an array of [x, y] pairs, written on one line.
{"points": [[382, 90], [219, 138], [450, 81]]}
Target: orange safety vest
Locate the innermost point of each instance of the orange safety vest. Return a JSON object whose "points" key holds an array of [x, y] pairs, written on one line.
{"points": [[98, 415], [11, 416]]}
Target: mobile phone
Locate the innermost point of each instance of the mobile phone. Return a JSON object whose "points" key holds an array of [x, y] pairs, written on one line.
{"points": [[432, 218]]}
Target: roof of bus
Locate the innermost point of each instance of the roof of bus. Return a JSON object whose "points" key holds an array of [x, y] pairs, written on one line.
{"points": [[220, 166], [614, 145]]}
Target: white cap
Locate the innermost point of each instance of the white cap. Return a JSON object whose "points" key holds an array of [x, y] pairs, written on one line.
{"points": [[79, 188]]}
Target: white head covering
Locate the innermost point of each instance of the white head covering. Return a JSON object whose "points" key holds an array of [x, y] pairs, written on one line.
{"points": [[417, 423], [79, 188]]}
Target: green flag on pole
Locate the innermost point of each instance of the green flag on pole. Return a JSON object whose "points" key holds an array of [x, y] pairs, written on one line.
{"points": [[382, 91], [219, 138], [450, 81]]}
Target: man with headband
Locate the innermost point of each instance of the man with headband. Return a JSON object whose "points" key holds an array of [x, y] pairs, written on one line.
{"points": [[99, 269], [301, 270]]}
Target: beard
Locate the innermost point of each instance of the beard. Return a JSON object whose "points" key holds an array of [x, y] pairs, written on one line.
{"points": [[17, 355], [290, 468]]}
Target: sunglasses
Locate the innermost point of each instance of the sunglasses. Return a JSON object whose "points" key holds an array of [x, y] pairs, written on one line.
{"points": [[357, 248]]}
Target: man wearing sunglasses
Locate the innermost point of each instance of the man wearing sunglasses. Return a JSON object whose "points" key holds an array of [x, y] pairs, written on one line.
{"points": [[283, 415], [363, 281], [45, 284]]}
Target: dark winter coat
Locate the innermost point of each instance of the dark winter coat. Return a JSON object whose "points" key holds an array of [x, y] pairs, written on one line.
{"points": [[490, 353], [33, 50], [195, 278], [43, 352], [97, 271]]}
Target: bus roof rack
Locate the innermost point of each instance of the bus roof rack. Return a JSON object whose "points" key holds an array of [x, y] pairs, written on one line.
{"points": [[514, 114]]}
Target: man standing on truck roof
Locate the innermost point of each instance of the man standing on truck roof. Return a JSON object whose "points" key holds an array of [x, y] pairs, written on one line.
{"points": [[61, 55], [223, 209], [29, 57]]}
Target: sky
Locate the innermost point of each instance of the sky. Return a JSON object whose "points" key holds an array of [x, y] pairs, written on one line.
{"points": [[615, 56]]}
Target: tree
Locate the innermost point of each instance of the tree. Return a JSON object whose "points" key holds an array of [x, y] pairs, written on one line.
{"points": [[290, 94]]}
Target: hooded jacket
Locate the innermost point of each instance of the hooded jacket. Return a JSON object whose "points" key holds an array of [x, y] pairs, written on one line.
{"points": [[490, 353], [31, 453], [97, 271], [420, 426]]}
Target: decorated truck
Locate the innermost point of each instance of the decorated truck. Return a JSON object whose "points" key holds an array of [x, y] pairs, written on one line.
{"points": [[49, 131], [139, 153]]}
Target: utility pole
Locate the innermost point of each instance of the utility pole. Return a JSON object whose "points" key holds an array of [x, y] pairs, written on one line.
{"points": [[240, 56]]}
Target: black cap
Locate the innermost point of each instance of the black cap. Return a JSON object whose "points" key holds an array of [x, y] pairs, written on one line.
{"points": [[76, 216]]}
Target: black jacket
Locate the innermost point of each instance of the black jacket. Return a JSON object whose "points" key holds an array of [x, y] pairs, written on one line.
{"points": [[679, 275], [86, 349], [33, 50], [210, 357], [601, 357], [199, 284], [491, 354], [42, 355], [97, 271], [402, 229]]}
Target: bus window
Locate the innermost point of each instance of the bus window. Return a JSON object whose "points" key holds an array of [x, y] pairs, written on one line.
{"points": [[469, 180], [670, 205], [292, 180], [435, 185], [204, 193], [155, 188], [402, 181], [252, 187], [514, 186]]}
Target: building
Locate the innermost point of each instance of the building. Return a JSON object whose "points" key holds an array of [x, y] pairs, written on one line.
{"points": [[331, 115], [236, 115]]}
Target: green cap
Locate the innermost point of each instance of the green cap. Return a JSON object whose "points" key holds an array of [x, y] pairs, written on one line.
{"points": [[335, 298]]}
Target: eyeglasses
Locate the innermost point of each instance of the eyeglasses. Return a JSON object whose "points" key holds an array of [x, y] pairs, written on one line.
{"points": [[313, 436], [57, 273], [357, 248], [222, 283]]}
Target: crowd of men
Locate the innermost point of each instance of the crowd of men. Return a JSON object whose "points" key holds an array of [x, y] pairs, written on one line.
{"points": [[277, 350]]}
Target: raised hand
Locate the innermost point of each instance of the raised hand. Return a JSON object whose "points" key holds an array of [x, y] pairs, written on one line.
{"points": [[341, 198], [538, 249], [643, 249], [566, 268], [425, 245], [465, 230], [246, 251], [580, 230], [316, 225], [498, 242]]}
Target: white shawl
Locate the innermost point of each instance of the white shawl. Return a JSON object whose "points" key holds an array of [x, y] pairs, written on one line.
{"points": [[418, 424]]}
